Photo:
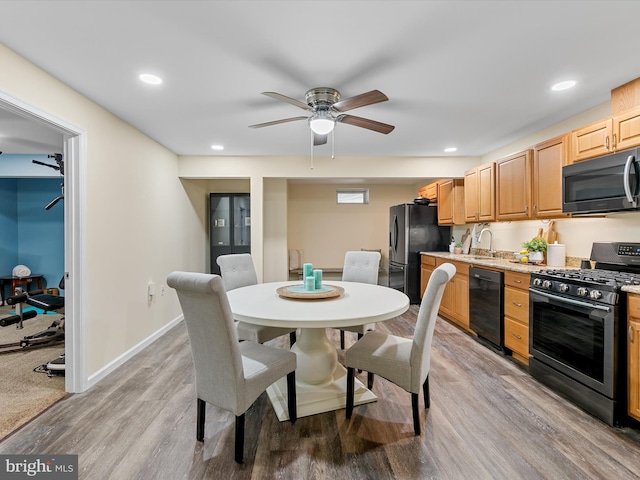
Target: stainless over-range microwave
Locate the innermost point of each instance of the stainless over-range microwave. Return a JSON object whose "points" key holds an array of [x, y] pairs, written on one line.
{"points": [[605, 184]]}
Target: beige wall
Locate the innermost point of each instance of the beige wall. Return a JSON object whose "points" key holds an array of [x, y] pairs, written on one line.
{"points": [[141, 220], [325, 230]]}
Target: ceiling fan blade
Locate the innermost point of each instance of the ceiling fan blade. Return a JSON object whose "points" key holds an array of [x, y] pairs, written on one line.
{"points": [[366, 123], [369, 98], [319, 139], [276, 122], [290, 100]]}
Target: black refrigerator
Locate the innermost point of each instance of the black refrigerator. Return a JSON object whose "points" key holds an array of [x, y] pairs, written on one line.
{"points": [[413, 229]]}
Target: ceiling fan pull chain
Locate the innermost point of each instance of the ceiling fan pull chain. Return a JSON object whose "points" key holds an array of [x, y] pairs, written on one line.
{"points": [[333, 144]]}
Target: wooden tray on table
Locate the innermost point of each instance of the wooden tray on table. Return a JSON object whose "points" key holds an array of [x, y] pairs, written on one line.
{"points": [[298, 292]]}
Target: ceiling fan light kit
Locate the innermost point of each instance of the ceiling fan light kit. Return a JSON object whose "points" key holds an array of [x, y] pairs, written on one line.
{"points": [[326, 110], [321, 122]]}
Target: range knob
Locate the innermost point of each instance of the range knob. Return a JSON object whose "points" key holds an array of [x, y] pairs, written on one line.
{"points": [[563, 287], [537, 282], [546, 284], [582, 292], [595, 294]]}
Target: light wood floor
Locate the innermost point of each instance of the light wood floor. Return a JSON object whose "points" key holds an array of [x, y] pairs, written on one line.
{"points": [[488, 420]]}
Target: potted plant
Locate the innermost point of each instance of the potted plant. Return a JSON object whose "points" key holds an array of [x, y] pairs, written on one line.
{"points": [[457, 248], [536, 248]]}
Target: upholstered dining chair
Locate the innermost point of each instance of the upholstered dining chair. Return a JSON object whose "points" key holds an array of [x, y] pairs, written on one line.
{"points": [[359, 267], [229, 374], [237, 271], [403, 361]]}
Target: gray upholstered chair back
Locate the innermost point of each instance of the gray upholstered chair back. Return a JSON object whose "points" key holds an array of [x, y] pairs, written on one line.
{"points": [[213, 337], [361, 267], [426, 322], [237, 270]]}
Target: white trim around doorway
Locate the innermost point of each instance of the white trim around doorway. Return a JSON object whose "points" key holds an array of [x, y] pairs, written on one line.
{"points": [[75, 156]]}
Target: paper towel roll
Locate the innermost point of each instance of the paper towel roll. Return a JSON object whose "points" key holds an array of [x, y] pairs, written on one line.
{"points": [[556, 254]]}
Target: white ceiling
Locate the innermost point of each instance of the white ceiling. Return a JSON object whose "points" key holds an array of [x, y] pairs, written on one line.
{"points": [[475, 74]]}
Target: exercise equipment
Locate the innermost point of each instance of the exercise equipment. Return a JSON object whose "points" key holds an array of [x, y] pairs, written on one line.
{"points": [[53, 335], [12, 319]]}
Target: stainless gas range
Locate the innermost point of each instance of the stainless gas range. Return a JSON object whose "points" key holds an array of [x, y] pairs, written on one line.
{"points": [[577, 322]]}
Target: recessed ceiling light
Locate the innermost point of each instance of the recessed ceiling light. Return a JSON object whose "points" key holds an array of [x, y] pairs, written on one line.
{"points": [[217, 147], [563, 85], [450, 149], [150, 79]]}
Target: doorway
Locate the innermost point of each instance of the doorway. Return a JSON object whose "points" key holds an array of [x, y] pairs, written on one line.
{"points": [[74, 152]]}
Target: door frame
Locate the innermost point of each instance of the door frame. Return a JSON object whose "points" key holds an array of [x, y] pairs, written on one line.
{"points": [[75, 157]]}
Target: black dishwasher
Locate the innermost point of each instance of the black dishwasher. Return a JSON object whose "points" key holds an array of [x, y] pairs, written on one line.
{"points": [[485, 307]]}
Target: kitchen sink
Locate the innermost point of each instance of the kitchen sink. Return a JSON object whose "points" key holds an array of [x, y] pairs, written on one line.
{"points": [[482, 259]]}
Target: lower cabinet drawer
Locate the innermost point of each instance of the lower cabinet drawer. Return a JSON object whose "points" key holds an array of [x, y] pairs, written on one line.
{"points": [[516, 336]]}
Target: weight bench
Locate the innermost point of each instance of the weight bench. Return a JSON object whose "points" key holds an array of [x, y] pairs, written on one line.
{"points": [[53, 335]]}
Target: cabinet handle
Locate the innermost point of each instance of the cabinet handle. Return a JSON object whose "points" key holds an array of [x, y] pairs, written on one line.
{"points": [[517, 281], [517, 336], [535, 209], [614, 141], [517, 304], [630, 334], [606, 142]]}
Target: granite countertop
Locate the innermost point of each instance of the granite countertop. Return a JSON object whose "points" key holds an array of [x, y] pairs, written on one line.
{"points": [[507, 264], [485, 261]]}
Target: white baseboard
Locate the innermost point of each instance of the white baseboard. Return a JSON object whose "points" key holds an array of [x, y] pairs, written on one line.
{"points": [[112, 366]]}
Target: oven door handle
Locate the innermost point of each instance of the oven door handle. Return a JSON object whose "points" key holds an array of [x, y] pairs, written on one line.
{"points": [[574, 302]]}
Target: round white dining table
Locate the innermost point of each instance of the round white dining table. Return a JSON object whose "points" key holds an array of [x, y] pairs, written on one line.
{"points": [[320, 379]]}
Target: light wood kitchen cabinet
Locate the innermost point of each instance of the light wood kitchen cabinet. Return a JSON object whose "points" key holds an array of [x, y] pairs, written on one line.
{"points": [[455, 299], [513, 187], [612, 134], [548, 159], [451, 201], [429, 191], [428, 265], [633, 355], [479, 196], [516, 314]]}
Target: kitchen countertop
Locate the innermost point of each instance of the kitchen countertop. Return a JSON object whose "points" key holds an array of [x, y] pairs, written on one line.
{"points": [[482, 261], [506, 264]]}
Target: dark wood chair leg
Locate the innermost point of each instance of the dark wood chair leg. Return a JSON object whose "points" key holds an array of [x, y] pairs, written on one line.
{"points": [[425, 390], [341, 339], [291, 396], [292, 338], [360, 335], [239, 438], [350, 392], [369, 380], [202, 410], [416, 414]]}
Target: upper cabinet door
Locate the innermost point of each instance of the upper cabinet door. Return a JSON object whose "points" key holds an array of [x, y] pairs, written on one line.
{"points": [[548, 159], [486, 192], [626, 130], [513, 187], [592, 141], [471, 195], [479, 194]]}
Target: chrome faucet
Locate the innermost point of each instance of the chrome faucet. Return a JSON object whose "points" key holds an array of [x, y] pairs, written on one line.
{"points": [[491, 250]]}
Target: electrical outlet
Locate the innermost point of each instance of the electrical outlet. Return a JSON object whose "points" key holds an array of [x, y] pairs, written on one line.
{"points": [[161, 289]]}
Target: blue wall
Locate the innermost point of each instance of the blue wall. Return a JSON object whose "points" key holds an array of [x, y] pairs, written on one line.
{"points": [[29, 234], [8, 225]]}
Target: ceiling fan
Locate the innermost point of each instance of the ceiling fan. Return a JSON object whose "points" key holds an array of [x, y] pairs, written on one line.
{"points": [[326, 110]]}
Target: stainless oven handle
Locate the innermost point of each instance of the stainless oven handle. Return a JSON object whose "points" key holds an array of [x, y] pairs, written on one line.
{"points": [[627, 187], [574, 302]]}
